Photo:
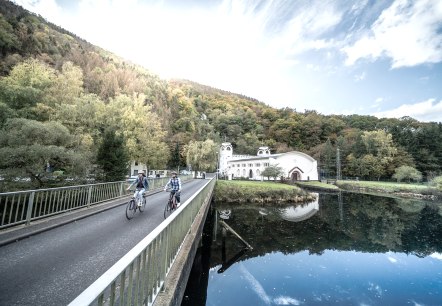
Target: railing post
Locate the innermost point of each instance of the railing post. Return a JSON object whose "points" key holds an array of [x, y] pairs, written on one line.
{"points": [[30, 206], [89, 194], [121, 189]]}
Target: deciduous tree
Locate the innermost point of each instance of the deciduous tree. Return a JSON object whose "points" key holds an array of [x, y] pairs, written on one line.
{"points": [[32, 149]]}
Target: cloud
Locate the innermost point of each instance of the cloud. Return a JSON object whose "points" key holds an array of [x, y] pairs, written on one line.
{"points": [[259, 290], [43, 7], [255, 285], [360, 77], [428, 110], [408, 32], [286, 300], [436, 256]]}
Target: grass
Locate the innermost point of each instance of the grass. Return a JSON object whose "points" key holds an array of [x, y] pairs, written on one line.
{"points": [[261, 192], [319, 185], [255, 184], [387, 186], [399, 189]]}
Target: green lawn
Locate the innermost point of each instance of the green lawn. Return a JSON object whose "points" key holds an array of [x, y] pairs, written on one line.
{"points": [[256, 191], [396, 189], [256, 184], [386, 186], [315, 184]]}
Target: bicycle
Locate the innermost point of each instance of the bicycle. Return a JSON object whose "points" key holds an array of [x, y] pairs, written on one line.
{"points": [[132, 205], [170, 205]]}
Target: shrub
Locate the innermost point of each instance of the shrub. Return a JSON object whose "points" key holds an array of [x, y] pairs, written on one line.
{"points": [[437, 182], [407, 173]]}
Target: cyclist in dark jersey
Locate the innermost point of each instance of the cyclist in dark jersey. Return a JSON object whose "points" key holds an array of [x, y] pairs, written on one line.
{"points": [[175, 185]]}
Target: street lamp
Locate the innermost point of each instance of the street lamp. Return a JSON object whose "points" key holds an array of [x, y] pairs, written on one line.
{"points": [[217, 165]]}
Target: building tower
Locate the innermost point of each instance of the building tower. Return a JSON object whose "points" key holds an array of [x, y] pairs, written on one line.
{"points": [[263, 151], [225, 154]]}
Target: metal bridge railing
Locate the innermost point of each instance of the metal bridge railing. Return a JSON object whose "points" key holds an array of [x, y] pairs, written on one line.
{"points": [[22, 207], [137, 277]]}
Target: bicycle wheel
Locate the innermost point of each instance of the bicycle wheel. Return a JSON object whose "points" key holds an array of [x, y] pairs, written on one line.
{"points": [[168, 209], [143, 205], [131, 209]]}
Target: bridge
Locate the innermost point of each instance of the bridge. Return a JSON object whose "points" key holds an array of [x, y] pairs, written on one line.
{"points": [[74, 245]]}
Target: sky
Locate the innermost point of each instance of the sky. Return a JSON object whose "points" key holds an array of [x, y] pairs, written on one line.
{"points": [[367, 57]]}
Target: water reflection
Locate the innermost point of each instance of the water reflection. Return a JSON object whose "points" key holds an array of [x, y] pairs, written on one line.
{"points": [[300, 212], [346, 249]]}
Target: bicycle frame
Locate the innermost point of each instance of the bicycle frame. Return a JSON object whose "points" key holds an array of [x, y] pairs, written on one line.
{"points": [[171, 204], [172, 200], [137, 195]]}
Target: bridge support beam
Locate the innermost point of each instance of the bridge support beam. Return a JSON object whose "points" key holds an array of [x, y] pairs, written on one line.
{"points": [[176, 281]]}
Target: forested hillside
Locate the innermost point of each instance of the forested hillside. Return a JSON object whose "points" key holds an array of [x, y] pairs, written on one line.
{"points": [[62, 99]]}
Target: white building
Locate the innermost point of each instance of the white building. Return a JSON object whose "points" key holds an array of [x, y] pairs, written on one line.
{"points": [[297, 166]]}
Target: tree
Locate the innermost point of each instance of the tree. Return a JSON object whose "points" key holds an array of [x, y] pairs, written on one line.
{"points": [[175, 158], [407, 173], [201, 155], [328, 159], [141, 129], [32, 149], [437, 182], [26, 84], [112, 156], [272, 171], [380, 152]]}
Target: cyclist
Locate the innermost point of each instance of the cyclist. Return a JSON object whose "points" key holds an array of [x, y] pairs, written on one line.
{"points": [[175, 185], [141, 184]]}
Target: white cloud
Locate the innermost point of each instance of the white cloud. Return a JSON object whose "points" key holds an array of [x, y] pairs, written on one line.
{"points": [[428, 110], [255, 285], [360, 77], [408, 32], [391, 259], [45, 8], [286, 300], [436, 256]]}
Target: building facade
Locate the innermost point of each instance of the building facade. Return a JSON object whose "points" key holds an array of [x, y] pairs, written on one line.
{"points": [[296, 166]]}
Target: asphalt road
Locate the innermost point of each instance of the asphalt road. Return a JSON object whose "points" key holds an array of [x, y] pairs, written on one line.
{"points": [[54, 267]]}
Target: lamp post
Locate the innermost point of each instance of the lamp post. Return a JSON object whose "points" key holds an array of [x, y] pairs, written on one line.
{"points": [[217, 165]]}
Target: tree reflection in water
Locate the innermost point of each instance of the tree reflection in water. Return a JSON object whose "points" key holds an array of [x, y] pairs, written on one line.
{"points": [[351, 225]]}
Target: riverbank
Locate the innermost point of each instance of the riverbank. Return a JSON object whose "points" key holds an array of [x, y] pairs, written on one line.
{"points": [[314, 185], [259, 192], [403, 190]]}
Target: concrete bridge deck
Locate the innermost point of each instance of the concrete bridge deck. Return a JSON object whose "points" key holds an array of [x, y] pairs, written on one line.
{"points": [[50, 262]]}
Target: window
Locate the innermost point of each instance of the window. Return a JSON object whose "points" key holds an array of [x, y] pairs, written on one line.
{"points": [[266, 164], [250, 165], [135, 172], [243, 165], [258, 165], [136, 163]]}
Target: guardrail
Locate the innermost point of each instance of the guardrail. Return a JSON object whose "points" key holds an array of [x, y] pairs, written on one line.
{"points": [[22, 207], [137, 277]]}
